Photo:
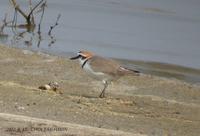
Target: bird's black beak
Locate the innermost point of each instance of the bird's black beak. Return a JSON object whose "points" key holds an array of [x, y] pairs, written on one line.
{"points": [[76, 57]]}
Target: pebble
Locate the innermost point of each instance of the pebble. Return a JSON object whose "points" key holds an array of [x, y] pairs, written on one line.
{"points": [[27, 52]]}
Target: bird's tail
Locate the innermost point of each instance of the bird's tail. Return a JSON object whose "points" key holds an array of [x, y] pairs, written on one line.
{"points": [[123, 71]]}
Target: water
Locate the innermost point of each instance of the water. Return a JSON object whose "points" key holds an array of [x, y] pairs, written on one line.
{"points": [[144, 30]]}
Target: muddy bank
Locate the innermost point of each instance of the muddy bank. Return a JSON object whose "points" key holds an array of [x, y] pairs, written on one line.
{"points": [[139, 105]]}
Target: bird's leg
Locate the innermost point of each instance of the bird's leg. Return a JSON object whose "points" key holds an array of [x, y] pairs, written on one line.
{"points": [[104, 89]]}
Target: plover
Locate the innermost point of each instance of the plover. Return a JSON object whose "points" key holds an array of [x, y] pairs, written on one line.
{"points": [[103, 69]]}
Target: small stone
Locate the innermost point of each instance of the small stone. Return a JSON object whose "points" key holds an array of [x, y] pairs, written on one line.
{"points": [[19, 107], [51, 86], [54, 85], [27, 52], [45, 87]]}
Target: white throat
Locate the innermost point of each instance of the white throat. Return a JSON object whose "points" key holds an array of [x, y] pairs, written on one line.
{"points": [[81, 61]]}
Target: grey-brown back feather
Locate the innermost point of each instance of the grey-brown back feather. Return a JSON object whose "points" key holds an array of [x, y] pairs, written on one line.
{"points": [[109, 66]]}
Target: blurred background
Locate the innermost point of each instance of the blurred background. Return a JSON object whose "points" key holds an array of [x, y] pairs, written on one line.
{"points": [[156, 32]]}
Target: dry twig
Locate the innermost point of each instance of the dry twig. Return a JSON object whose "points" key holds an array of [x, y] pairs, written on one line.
{"points": [[52, 27], [28, 17]]}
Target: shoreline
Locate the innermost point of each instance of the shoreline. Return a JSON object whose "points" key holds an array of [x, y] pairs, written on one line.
{"points": [[145, 105], [186, 74]]}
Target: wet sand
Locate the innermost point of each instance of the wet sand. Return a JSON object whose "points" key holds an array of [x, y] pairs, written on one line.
{"points": [[144, 105]]}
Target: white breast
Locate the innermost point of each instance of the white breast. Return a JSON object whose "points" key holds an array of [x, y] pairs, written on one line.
{"points": [[91, 72]]}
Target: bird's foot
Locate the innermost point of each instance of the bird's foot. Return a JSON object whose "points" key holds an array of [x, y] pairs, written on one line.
{"points": [[102, 95]]}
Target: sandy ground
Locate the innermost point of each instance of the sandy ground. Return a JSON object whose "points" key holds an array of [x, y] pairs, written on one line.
{"points": [[144, 105]]}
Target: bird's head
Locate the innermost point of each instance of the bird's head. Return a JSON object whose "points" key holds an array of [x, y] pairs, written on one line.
{"points": [[82, 56]]}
